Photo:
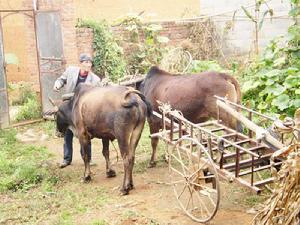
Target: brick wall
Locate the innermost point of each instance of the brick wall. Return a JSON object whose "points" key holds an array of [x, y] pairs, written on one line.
{"points": [[179, 34], [175, 31], [152, 10], [84, 40], [24, 48]]}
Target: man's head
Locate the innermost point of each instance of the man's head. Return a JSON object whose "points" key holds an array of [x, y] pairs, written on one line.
{"points": [[86, 62]]}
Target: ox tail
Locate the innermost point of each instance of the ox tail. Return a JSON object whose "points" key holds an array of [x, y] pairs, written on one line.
{"points": [[132, 102], [236, 84]]}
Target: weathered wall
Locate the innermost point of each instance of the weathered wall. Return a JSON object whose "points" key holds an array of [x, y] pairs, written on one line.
{"points": [[15, 41], [240, 38], [84, 40], [19, 38], [177, 32], [153, 10]]}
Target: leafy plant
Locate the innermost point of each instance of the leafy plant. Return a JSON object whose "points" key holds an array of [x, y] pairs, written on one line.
{"points": [[108, 55], [272, 82], [256, 18], [30, 110], [20, 92], [198, 66], [143, 43]]}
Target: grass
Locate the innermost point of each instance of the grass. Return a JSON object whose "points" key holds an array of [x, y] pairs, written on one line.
{"points": [[21, 166], [31, 109], [23, 95], [144, 152], [99, 222]]}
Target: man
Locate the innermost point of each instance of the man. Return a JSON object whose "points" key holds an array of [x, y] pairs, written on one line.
{"points": [[71, 78]]}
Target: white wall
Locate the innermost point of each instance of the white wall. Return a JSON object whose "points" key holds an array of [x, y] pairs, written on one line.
{"points": [[240, 39]]}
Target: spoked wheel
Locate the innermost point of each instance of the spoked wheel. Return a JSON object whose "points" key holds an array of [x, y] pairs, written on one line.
{"points": [[194, 179]]}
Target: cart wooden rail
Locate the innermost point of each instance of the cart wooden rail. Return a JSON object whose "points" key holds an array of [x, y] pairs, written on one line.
{"points": [[199, 153]]}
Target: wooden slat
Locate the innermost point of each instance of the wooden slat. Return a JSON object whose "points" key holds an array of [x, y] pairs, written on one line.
{"points": [[228, 175], [258, 169], [217, 129], [233, 154], [256, 148], [263, 182], [237, 142], [246, 161]]}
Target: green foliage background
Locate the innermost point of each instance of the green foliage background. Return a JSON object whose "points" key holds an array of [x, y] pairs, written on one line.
{"points": [[143, 42], [108, 55], [143, 47], [272, 82]]}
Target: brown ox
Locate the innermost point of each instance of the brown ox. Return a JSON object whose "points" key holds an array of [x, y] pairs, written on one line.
{"points": [[193, 95], [112, 112]]}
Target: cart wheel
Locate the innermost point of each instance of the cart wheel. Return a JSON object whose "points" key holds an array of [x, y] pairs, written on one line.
{"points": [[194, 179]]}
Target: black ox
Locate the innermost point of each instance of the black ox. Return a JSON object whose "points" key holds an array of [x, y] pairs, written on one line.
{"points": [[112, 112]]}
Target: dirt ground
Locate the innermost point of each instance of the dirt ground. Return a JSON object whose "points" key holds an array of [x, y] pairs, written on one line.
{"points": [[99, 202], [152, 197]]}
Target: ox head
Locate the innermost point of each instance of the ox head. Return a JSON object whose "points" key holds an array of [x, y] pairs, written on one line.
{"points": [[62, 111]]}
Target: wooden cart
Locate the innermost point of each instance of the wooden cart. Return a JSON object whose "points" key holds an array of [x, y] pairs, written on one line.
{"points": [[199, 153]]}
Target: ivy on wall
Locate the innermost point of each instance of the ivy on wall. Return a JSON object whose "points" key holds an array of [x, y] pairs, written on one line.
{"points": [[108, 55], [143, 43]]}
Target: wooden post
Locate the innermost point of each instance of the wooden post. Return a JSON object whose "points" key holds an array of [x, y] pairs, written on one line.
{"points": [[249, 124], [250, 135], [237, 162]]}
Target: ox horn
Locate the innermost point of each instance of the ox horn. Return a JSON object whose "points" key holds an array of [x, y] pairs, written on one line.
{"points": [[51, 101], [52, 111]]}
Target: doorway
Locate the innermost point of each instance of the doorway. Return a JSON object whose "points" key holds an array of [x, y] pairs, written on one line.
{"points": [[31, 59]]}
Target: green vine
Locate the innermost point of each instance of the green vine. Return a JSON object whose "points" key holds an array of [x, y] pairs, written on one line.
{"points": [[143, 44], [272, 83], [108, 55]]}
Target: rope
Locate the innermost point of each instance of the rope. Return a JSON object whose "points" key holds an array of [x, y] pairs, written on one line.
{"points": [[116, 151]]}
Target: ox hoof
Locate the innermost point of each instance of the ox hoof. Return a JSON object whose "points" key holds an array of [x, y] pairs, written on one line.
{"points": [[111, 173], [152, 164], [87, 179], [131, 186], [124, 191]]}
